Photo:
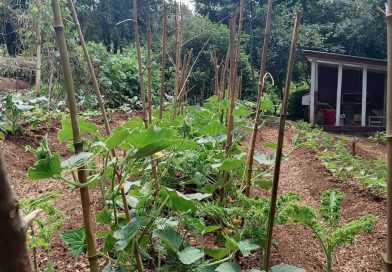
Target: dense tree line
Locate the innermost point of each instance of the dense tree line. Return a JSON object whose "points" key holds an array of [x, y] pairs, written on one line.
{"points": [[341, 26]]}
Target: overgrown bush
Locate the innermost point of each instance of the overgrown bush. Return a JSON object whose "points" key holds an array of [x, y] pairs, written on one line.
{"points": [[118, 75], [295, 108]]}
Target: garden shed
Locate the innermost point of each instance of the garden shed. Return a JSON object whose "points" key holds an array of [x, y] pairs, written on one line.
{"points": [[347, 93]]}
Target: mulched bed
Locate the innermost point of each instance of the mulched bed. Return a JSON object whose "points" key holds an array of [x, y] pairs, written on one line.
{"points": [[301, 173]]}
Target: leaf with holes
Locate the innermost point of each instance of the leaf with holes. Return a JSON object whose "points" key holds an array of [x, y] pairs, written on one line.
{"points": [[75, 240]]}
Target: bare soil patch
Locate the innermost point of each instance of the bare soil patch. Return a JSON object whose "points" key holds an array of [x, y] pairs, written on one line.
{"points": [[13, 84]]}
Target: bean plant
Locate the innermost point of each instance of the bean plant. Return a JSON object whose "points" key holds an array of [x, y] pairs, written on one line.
{"points": [[189, 152]]}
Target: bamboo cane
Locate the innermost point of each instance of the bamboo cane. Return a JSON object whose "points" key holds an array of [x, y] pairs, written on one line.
{"points": [[237, 55], [149, 92], [98, 96], [249, 162], [77, 140], [388, 255], [233, 77], [283, 114], [240, 85], [230, 117], [149, 82], [145, 118], [164, 39], [139, 61], [216, 72], [222, 81], [90, 66], [178, 58], [234, 60], [182, 80], [39, 59], [184, 77]]}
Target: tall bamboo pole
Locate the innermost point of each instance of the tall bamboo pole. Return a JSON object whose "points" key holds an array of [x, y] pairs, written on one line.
{"points": [[139, 61], [38, 64], [388, 255], [149, 80], [240, 22], [98, 95], [184, 77], [279, 149], [249, 162], [216, 72], [90, 66], [164, 39], [232, 87], [178, 58], [230, 117], [139, 262], [77, 139]]}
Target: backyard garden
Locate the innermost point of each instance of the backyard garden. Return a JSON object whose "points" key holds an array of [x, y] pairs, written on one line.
{"points": [[183, 149]]}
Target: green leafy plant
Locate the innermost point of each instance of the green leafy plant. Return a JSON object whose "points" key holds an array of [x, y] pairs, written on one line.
{"points": [[334, 154], [190, 156], [12, 111], [325, 224], [379, 137], [43, 229]]}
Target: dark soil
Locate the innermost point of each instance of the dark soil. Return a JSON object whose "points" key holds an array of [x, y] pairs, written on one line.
{"points": [[301, 173]]}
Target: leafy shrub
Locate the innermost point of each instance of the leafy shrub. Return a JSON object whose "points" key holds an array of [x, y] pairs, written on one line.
{"points": [[294, 107], [118, 75], [379, 137]]}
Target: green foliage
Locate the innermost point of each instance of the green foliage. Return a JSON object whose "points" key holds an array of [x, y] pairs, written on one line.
{"points": [[43, 229], [379, 137], [294, 106], [75, 240], [189, 152], [325, 224], [118, 75], [43, 151], [46, 168], [255, 214], [332, 151]]}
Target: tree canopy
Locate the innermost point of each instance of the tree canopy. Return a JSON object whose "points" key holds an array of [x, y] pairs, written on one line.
{"points": [[340, 26]]}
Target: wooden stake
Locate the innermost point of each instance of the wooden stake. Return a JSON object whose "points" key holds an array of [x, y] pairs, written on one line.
{"points": [[39, 59], [184, 77], [233, 84], [216, 72], [388, 255], [98, 95], [249, 162], [140, 64], [178, 58], [164, 39], [237, 55], [283, 114], [77, 139], [230, 117], [149, 85]]}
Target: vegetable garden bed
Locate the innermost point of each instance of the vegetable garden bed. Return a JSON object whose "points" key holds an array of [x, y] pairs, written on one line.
{"points": [[302, 173]]}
